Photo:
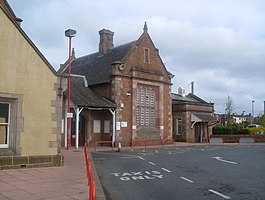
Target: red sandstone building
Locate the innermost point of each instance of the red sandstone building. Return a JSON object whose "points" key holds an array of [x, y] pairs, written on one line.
{"points": [[127, 96]]}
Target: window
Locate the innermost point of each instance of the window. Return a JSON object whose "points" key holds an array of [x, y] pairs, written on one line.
{"points": [[11, 122], [96, 126], [107, 126], [4, 124], [178, 126], [145, 106], [147, 55]]}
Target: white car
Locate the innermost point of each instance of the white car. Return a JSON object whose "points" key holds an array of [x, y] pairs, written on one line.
{"points": [[254, 126]]}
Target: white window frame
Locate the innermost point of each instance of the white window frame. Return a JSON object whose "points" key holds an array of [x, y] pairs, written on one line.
{"points": [[106, 126], [97, 126], [7, 125]]}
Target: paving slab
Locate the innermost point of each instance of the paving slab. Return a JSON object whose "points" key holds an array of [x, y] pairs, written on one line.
{"points": [[66, 182]]}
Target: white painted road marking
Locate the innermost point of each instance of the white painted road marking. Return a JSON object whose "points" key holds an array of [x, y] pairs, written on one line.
{"points": [[129, 157], [166, 170], [142, 175], [219, 194], [141, 158], [152, 163], [99, 158], [186, 179], [227, 161]]}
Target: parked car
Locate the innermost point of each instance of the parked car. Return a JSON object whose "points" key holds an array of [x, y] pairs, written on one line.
{"points": [[256, 129], [254, 126]]}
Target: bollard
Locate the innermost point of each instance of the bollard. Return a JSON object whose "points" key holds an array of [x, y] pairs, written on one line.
{"points": [[119, 147]]}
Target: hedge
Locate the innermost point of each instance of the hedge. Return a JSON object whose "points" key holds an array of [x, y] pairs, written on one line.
{"points": [[226, 130]]}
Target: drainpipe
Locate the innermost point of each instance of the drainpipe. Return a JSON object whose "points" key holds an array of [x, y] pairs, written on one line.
{"points": [[78, 111]]}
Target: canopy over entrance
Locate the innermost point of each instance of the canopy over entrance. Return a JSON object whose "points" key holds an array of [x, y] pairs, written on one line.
{"points": [[83, 97], [201, 117]]}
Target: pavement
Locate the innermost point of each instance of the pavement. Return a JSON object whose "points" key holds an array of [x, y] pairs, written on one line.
{"points": [[68, 182], [53, 183]]}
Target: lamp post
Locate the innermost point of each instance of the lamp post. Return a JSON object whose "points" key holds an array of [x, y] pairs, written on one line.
{"points": [[252, 112], [243, 114], [70, 33], [225, 116]]}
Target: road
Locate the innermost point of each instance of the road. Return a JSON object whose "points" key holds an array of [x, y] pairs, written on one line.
{"points": [[198, 172]]}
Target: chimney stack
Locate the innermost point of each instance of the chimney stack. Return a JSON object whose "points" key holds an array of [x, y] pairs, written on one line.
{"points": [[192, 87], [181, 91], [106, 40]]}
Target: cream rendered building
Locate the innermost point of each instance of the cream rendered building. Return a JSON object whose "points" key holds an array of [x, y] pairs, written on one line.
{"points": [[30, 109]]}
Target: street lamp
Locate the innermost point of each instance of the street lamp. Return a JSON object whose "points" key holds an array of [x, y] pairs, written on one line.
{"points": [[243, 114], [226, 117], [70, 33], [252, 112]]}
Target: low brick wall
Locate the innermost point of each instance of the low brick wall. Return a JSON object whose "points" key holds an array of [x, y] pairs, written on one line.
{"points": [[16, 162], [235, 138]]}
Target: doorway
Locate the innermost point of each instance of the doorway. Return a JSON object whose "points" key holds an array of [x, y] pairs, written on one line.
{"points": [[197, 130], [82, 125]]}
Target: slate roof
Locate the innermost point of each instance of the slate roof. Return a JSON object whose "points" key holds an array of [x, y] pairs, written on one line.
{"points": [[97, 66], [190, 98], [83, 96], [205, 117]]}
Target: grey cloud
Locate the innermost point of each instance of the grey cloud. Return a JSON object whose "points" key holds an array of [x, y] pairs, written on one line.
{"points": [[220, 45]]}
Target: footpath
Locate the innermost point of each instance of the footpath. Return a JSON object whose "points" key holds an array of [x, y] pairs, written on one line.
{"points": [[53, 183]]}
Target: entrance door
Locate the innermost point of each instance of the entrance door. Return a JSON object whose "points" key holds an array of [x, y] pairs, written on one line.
{"points": [[81, 139], [197, 130], [82, 129]]}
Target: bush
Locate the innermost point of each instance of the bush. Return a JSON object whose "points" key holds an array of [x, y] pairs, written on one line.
{"points": [[222, 130], [228, 130], [256, 131], [243, 131]]}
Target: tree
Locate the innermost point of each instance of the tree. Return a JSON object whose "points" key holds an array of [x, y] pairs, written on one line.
{"points": [[229, 108], [260, 120]]}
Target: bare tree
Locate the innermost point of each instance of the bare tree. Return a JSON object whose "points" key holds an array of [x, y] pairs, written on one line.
{"points": [[230, 107]]}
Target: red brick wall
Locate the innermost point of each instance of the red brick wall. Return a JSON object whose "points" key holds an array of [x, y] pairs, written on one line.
{"points": [[127, 81], [235, 138], [184, 111], [103, 90]]}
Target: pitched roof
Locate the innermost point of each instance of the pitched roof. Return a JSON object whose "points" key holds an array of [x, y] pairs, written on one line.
{"points": [[97, 66], [83, 96], [190, 98], [4, 6], [8, 9]]}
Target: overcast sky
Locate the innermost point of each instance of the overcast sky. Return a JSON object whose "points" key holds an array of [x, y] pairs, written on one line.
{"points": [[218, 44]]}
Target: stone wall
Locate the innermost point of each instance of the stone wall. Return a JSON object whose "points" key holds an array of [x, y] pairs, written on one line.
{"points": [[235, 138], [16, 162]]}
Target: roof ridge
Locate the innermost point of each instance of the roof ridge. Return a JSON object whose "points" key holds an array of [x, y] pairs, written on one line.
{"points": [[94, 53]]}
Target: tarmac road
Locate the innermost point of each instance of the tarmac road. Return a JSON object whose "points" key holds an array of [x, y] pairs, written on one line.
{"points": [[198, 172]]}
